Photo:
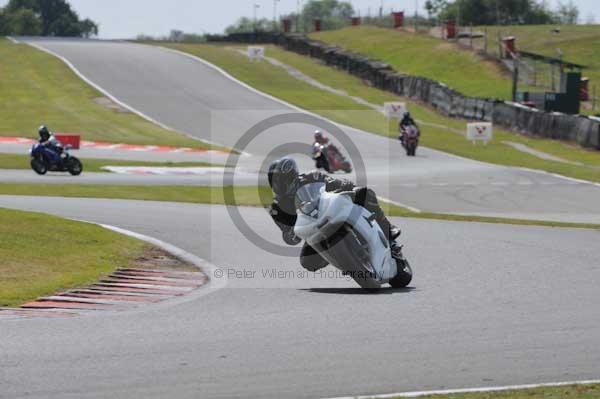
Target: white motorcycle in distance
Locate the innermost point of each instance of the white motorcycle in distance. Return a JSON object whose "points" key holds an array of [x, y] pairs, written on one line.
{"points": [[348, 237]]}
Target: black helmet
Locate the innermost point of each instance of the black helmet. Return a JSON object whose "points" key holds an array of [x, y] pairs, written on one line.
{"points": [[407, 114], [283, 176], [318, 135], [44, 132]]}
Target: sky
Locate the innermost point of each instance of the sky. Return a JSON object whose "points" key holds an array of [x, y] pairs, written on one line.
{"points": [[120, 19]]}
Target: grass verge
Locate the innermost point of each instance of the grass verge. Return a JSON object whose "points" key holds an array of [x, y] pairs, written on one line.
{"points": [[244, 196], [591, 391], [42, 254], [423, 55], [279, 83], [19, 161], [394, 210], [39, 88]]}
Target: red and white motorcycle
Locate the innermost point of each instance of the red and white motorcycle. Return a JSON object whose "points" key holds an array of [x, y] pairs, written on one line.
{"points": [[409, 138], [328, 157]]}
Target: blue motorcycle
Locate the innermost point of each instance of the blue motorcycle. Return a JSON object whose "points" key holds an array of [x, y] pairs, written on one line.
{"points": [[49, 159]]}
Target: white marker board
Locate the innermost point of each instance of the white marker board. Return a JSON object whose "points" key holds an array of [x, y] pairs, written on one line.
{"points": [[481, 131], [394, 110], [256, 53]]}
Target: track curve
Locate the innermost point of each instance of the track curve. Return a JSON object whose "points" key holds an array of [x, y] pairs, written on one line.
{"points": [[193, 97], [490, 305]]}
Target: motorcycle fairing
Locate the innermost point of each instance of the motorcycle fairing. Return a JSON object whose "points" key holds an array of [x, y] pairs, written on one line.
{"points": [[335, 210]]}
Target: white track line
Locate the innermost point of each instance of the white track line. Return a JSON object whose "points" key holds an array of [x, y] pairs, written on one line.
{"points": [[571, 179], [470, 390], [116, 100], [252, 89], [410, 208], [13, 40], [270, 97]]}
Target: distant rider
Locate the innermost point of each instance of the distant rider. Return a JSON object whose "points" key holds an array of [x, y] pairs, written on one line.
{"points": [[320, 138], [47, 139], [406, 122], [324, 141], [285, 180]]}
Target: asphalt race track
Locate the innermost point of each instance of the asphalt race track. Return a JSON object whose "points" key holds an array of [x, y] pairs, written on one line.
{"points": [[192, 97], [491, 305]]}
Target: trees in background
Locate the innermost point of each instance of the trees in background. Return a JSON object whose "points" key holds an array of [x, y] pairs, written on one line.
{"points": [[45, 18], [245, 24], [434, 7], [22, 22], [494, 12], [567, 13], [333, 14], [502, 12], [175, 36]]}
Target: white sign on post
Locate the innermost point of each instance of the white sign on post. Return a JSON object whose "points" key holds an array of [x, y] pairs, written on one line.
{"points": [[394, 110], [256, 53], [481, 131]]}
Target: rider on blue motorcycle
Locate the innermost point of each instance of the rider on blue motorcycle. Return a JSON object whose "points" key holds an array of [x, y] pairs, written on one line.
{"points": [[285, 180], [47, 139]]}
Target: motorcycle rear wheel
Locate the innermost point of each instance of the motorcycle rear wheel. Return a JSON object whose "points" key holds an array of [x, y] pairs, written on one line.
{"points": [[39, 166], [74, 166]]}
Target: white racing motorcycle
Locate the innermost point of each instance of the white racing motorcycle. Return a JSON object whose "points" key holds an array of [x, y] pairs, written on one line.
{"points": [[348, 237]]}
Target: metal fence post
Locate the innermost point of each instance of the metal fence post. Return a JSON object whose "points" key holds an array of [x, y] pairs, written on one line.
{"points": [[499, 37], [471, 36], [485, 42]]}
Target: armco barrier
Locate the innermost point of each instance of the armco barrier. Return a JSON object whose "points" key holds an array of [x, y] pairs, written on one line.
{"points": [[446, 100]]}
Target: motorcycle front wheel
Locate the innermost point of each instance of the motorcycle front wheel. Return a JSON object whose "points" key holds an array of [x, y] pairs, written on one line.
{"points": [[39, 166], [411, 150], [74, 166], [348, 249]]}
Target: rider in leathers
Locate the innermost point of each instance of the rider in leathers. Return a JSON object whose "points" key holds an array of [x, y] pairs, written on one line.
{"points": [[406, 122], [321, 139], [285, 180], [47, 139]]}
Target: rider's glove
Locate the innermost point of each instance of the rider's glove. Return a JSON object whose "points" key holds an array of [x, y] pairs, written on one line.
{"points": [[290, 238]]}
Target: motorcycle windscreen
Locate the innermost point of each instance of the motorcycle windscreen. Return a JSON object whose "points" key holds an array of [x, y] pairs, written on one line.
{"points": [[307, 198]]}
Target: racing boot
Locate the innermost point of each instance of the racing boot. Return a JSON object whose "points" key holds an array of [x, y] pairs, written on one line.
{"points": [[367, 198], [396, 250], [398, 256], [392, 232]]}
